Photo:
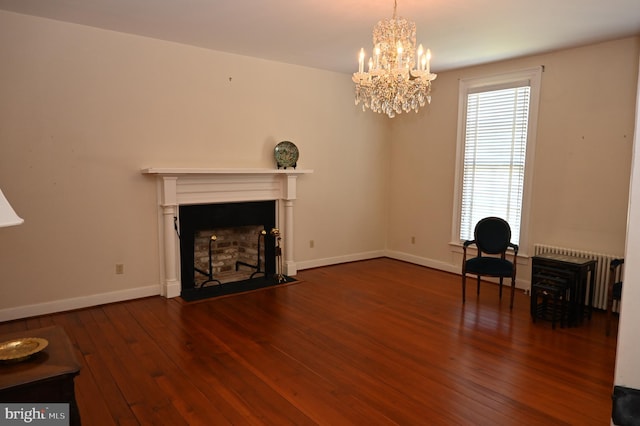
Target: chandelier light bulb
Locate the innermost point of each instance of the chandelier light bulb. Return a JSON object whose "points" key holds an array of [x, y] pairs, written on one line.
{"points": [[419, 56]]}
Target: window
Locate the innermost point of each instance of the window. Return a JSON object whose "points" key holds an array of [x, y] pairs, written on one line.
{"points": [[496, 133]]}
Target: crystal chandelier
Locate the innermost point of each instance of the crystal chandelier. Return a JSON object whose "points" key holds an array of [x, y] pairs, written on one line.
{"points": [[397, 79]]}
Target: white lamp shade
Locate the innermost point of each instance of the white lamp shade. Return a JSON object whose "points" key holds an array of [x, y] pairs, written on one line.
{"points": [[8, 217]]}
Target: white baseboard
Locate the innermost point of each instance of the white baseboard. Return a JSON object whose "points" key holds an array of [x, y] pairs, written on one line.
{"points": [[423, 261], [327, 261], [172, 289], [77, 303]]}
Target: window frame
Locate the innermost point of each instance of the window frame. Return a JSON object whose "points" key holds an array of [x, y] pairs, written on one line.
{"points": [[488, 83]]}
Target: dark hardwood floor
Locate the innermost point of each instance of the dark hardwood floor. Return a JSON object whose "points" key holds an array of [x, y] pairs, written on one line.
{"points": [[372, 342]]}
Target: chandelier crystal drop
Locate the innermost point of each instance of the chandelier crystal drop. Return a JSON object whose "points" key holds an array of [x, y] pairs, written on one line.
{"points": [[399, 76]]}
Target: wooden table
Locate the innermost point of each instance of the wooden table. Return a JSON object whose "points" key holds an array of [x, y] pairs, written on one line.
{"points": [[46, 376], [581, 275]]}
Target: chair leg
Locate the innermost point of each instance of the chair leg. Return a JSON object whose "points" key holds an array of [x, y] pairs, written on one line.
{"points": [[464, 282], [500, 290], [513, 286], [478, 289]]}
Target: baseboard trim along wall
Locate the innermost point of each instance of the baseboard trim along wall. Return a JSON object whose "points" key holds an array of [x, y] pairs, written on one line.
{"points": [[423, 261], [328, 261], [62, 305]]}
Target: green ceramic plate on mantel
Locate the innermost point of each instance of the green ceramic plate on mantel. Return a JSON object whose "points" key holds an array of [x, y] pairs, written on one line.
{"points": [[286, 154]]}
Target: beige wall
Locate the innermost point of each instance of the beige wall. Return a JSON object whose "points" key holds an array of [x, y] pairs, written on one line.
{"points": [[83, 110], [582, 156]]}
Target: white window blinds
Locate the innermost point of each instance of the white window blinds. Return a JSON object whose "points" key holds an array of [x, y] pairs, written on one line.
{"points": [[495, 143]]}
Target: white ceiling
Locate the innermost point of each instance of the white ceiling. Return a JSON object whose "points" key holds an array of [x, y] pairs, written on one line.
{"points": [[328, 34]]}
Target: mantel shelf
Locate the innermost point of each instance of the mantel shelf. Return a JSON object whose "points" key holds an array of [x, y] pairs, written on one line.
{"points": [[177, 171]]}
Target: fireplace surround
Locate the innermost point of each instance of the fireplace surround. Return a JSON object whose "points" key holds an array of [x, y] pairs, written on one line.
{"points": [[189, 186]]}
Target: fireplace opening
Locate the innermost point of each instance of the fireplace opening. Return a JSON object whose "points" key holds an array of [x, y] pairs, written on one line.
{"points": [[224, 255], [226, 243]]}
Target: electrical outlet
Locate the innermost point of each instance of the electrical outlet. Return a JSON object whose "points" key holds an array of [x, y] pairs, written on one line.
{"points": [[413, 240], [119, 268], [311, 243]]}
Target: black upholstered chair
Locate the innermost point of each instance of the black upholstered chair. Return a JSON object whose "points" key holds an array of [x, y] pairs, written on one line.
{"points": [[614, 288], [492, 237]]}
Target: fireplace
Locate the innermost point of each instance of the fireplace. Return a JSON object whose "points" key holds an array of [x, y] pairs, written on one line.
{"points": [[226, 242], [177, 187]]}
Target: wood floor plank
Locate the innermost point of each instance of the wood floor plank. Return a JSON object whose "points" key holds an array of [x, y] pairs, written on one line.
{"points": [[371, 342], [97, 357], [95, 381]]}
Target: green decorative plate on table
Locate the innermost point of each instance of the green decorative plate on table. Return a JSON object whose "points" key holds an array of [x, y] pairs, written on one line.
{"points": [[286, 154]]}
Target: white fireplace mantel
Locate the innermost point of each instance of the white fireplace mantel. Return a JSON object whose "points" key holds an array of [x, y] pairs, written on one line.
{"points": [[186, 186]]}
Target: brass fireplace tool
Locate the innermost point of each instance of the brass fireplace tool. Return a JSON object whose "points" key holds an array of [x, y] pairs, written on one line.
{"points": [[279, 276], [209, 273], [257, 266]]}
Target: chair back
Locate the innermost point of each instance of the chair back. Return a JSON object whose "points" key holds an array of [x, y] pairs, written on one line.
{"points": [[492, 235]]}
